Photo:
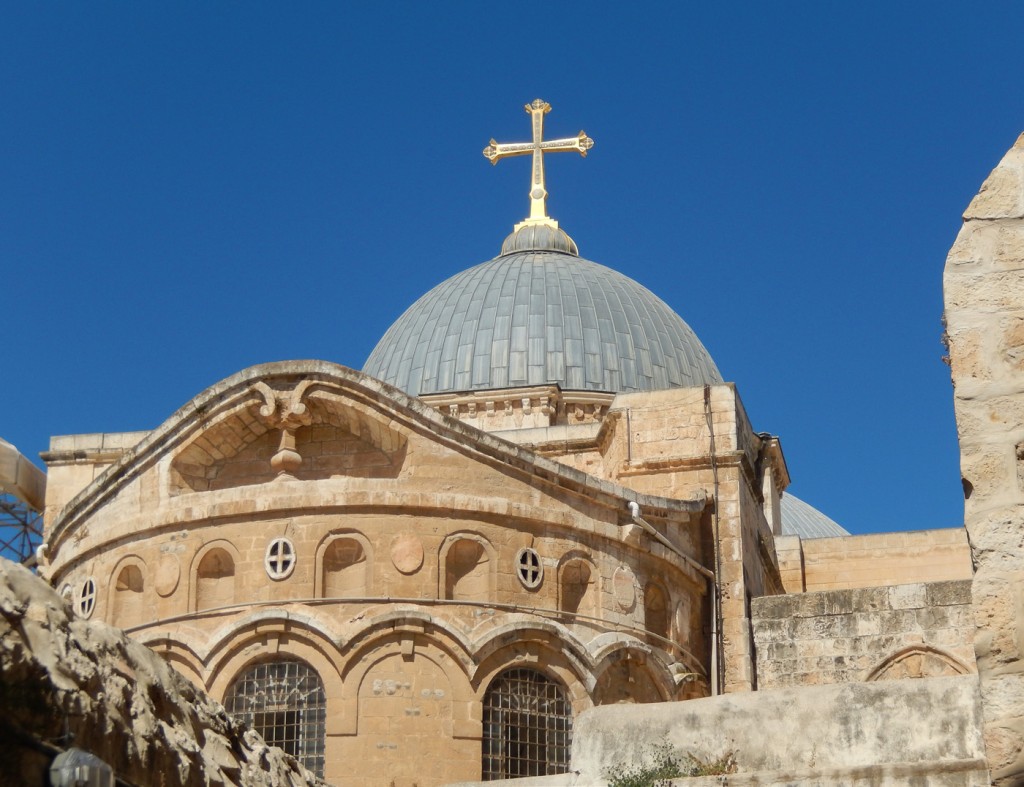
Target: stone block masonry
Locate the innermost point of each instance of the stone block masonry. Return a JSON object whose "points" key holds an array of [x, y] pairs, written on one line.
{"points": [[882, 633]]}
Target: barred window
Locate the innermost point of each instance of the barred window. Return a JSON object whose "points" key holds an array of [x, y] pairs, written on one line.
{"points": [[284, 702], [527, 726]]}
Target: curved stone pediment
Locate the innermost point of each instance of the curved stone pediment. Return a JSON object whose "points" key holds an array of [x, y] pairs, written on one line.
{"points": [[309, 421]]}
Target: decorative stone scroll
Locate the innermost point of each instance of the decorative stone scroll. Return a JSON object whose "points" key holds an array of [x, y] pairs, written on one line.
{"points": [[286, 411]]}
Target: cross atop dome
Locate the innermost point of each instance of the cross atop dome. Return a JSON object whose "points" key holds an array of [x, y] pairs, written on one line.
{"points": [[538, 147]]}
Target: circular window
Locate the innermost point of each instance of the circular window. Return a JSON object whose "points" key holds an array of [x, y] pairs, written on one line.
{"points": [[528, 568], [86, 602], [280, 558]]}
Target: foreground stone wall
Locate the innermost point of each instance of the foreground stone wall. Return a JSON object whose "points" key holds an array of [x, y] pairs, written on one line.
{"points": [[843, 636], [984, 300], [119, 700], [906, 732]]}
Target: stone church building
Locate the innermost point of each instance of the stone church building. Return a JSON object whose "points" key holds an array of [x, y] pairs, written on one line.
{"points": [[538, 497]]}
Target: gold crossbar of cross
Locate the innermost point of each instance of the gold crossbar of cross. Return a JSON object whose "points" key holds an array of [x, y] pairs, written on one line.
{"points": [[538, 194]]}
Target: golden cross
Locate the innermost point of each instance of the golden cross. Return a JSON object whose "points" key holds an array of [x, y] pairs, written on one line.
{"points": [[495, 151]]}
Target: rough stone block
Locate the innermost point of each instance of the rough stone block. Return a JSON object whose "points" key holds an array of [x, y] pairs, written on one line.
{"points": [[941, 594], [907, 596], [991, 472]]}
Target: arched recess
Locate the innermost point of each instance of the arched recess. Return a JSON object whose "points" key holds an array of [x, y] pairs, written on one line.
{"points": [[656, 610], [232, 450], [344, 566], [541, 644], [127, 599], [279, 638], [632, 675], [918, 661], [577, 585], [213, 578], [466, 568], [283, 699], [178, 654], [335, 439], [407, 683], [527, 725], [684, 625]]}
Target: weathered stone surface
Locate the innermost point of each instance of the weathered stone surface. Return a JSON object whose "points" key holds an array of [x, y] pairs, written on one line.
{"points": [[1001, 195], [985, 322], [947, 593], [120, 700], [930, 728], [900, 734], [886, 633]]}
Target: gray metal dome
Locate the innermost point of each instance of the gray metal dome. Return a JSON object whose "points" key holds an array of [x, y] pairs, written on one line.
{"points": [[804, 520], [535, 316]]}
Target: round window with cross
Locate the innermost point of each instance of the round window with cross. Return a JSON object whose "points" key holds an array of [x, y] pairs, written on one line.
{"points": [[529, 568], [86, 601], [280, 559]]}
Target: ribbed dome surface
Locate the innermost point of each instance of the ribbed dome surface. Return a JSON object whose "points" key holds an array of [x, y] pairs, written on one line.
{"points": [[804, 520], [537, 317]]}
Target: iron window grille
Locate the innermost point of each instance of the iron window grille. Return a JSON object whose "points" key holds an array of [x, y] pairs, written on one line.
{"points": [[283, 701], [527, 726]]}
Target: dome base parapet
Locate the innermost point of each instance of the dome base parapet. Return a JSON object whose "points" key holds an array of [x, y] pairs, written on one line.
{"points": [[522, 408]]}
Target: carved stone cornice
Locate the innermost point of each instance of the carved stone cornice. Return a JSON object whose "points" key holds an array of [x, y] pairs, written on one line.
{"points": [[522, 407]]}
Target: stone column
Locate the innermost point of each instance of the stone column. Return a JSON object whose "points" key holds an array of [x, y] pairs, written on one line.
{"points": [[984, 301]]}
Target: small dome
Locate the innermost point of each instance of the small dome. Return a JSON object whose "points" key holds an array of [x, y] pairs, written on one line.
{"points": [[804, 520], [538, 314], [539, 237]]}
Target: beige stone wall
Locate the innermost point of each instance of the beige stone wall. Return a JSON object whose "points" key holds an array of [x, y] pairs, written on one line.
{"points": [[680, 444], [984, 299], [82, 458], [790, 554], [876, 559], [896, 733], [880, 633], [677, 450], [405, 596]]}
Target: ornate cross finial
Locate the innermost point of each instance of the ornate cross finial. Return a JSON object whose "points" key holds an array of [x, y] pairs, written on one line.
{"points": [[495, 151]]}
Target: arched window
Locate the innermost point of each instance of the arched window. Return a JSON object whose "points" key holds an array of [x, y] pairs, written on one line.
{"points": [[284, 702], [656, 610], [467, 574], [128, 596], [344, 567], [527, 726], [215, 580]]}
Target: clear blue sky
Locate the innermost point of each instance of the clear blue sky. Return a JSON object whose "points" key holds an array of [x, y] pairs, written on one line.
{"points": [[190, 189]]}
